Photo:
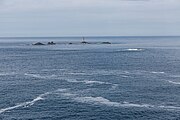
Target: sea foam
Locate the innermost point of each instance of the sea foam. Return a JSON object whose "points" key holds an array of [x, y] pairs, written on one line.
{"points": [[157, 72], [25, 104], [7, 73], [39, 76], [176, 83], [104, 101], [134, 49]]}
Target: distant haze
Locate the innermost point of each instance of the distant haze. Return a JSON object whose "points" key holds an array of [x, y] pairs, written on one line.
{"points": [[89, 18]]}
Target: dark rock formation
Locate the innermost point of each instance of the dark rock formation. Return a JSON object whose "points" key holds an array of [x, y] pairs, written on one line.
{"points": [[84, 42], [105, 43], [51, 43], [38, 43]]}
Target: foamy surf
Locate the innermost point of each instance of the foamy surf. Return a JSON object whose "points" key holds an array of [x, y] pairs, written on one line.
{"points": [[76, 73], [7, 73], [134, 49], [104, 101], [172, 82], [175, 76], [25, 104], [94, 82], [157, 72], [86, 81], [39, 76], [90, 82]]}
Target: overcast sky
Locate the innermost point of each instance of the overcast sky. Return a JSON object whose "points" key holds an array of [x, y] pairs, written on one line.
{"points": [[89, 17]]}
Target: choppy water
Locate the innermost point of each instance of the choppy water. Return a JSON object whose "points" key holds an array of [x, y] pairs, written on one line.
{"points": [[134, 78]]}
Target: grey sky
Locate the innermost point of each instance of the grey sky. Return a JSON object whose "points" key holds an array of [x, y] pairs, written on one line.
{"points": [[89, 17]]}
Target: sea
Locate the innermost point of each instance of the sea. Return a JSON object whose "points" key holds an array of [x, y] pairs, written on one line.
{"points": [[133, 78]]}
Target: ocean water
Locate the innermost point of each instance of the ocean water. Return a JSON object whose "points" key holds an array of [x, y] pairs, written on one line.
{"points": [[134, 78]]}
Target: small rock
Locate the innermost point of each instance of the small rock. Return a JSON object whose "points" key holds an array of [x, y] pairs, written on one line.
{"points": [[51, 43], [106, 43], [38, 43]]}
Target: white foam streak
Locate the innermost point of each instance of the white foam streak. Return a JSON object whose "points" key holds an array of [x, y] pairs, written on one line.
{"points": [[6, 74], [176, 83], [175, 76], [76, 73], [96, 100], [39, 76], [157, 72], [73, 81], [25, 104], [134, 49], [86, 81], [94, 82], [104, 101]]}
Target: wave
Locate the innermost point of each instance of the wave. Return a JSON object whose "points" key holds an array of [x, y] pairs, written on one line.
{"points": [[104, 101], [123, 73], [25, 104], [89, 100], [58, 69], [125, 76], [39, 76], [73, 81], [77, 73], [7, 74], [157, 72], [134, 49], [175, 76], [130, 50], [86, 81], [176, 83], [92, 82]]}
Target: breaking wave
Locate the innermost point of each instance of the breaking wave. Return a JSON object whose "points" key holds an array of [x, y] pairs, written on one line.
{"points": [[6, 74], [86, 81], [107, 102], [104, 101], [92, 82], [88, 100], [134, 49], [175, 76], [157, 72], [176, 83], [39, 76]]}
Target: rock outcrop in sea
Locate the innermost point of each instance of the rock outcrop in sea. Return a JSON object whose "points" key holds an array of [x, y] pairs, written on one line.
{"points": [[38, 43], [51, 43]]}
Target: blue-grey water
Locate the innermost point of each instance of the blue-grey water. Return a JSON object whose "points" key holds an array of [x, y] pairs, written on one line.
{"points": [[134, 78]]}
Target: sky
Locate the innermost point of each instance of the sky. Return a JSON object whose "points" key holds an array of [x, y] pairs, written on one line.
{"points": [[39, 18]]}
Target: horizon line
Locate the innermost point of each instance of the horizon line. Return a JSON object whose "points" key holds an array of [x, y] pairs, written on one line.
{"points": [[86, 36]]}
